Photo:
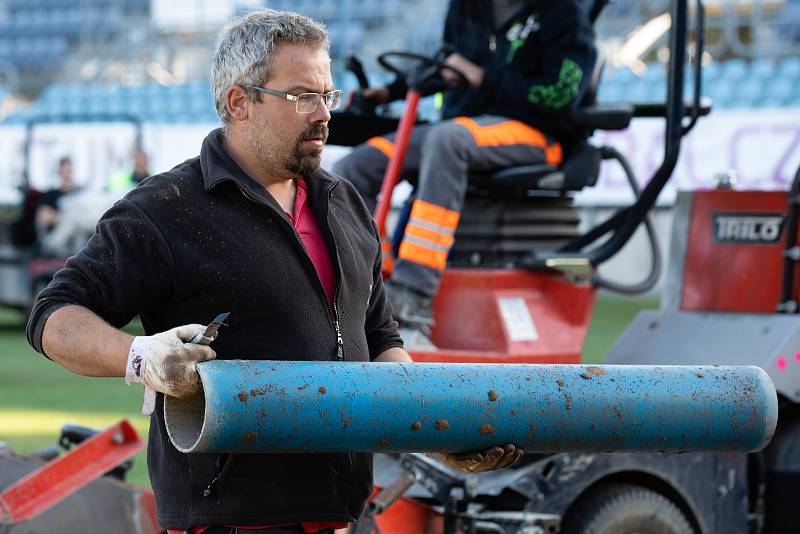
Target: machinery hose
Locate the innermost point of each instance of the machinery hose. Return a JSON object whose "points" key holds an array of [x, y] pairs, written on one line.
{"points": [[648, 283]]}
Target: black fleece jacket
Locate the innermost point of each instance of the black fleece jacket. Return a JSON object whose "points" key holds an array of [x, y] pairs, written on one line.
{"points": [[202, 239], [537, 65]]}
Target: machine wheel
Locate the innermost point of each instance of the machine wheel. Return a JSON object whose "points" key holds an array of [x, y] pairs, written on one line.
{"points": [[627, 509]]}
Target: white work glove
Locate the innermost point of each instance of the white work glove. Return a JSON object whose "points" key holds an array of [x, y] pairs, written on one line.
{"points": [[165, 362]]}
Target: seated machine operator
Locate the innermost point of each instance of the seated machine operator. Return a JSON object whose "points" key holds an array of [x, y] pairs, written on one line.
{"points": [[528, 64]]}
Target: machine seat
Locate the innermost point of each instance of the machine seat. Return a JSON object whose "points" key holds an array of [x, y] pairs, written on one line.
{"points": [[579, 170]]}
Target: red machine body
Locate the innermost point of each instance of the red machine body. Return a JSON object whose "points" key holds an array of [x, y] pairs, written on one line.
{"points": [[509, 316], [744, 232]]}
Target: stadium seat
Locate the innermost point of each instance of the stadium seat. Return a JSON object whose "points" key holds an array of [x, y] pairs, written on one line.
{"points": [[638, 92], [762, 68], [720, 93], [748, 93], [734, 70], [654, 72], [6, 48], [711, 71], [790, 67]]}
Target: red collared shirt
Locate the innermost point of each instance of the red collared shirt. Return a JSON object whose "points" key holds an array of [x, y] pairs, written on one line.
{"points": [[307, 226]]}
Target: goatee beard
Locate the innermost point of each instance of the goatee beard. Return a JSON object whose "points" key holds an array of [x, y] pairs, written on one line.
{"points": [[303, 162]]}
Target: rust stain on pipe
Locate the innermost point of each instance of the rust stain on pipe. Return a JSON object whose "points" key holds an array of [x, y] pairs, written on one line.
{"points": [[596, 371]]}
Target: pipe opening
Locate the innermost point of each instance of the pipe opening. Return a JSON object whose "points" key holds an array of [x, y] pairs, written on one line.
{"points": [[185, 419]]}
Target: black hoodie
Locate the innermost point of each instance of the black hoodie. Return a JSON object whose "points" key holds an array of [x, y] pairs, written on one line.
{"points": [[537, 65]]}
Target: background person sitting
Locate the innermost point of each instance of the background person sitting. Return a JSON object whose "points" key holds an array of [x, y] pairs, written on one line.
{"points": [[527, 65], [125, 180]]}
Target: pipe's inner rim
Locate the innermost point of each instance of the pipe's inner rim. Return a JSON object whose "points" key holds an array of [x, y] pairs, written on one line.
{"points": [[185, 419]]}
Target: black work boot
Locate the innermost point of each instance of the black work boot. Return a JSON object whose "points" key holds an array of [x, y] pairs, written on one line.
{"points": [[414, 312]]}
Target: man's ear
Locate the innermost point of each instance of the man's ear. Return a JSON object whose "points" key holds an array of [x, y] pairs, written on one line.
{"points": [[237, 102]]}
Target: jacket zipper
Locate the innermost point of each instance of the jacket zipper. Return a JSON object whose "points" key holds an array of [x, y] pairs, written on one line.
{"points": [[332, 311], [220, 468], [336, 324], [339, 340], [492, 43]]}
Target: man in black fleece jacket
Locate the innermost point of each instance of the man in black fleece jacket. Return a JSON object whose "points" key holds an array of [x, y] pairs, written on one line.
{"points": [[254, 227], [527, 65]]}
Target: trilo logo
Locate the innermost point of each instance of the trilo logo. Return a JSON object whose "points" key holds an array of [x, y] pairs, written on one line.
{"points": [[747, 227]]}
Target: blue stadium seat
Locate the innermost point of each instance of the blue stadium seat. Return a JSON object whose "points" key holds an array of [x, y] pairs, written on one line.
{"points": [[140, 7], [97, 105], [789, 23], [638, 92], [720, 93], [7, 29], [76, 106], [22, 22], [762, 68], [654, 72], [115, 106], [177, 102], [733, 70], [38, 22], [621, 74], [72, 23], [135, 104], [748, 93], [711, 71], [16, 118], [657, 91], [790, 67], [611, 91]]}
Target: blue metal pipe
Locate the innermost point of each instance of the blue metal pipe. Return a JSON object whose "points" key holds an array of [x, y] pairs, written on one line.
{"points": [[271, 406]]}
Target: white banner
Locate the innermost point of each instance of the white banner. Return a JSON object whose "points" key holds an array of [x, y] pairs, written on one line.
{"points": [[761, 146]]}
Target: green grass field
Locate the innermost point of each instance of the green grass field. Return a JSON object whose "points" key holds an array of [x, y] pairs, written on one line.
{"points": [[37, 396]]}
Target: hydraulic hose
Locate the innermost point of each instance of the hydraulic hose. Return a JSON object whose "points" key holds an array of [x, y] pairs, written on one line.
{"points": [[648, 283]]}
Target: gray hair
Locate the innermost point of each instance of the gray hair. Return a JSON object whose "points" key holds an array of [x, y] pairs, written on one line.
{"points": [[246, 47]]}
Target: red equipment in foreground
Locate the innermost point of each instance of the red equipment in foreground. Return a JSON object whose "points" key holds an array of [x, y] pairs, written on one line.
{"points": [[71, 479]]}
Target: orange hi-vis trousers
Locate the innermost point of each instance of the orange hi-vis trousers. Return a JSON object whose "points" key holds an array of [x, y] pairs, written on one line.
{"points": [[438, 161]]}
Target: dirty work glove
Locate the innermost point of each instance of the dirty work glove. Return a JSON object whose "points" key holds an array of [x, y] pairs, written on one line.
{"points": [[165, 362], [489, 460]]}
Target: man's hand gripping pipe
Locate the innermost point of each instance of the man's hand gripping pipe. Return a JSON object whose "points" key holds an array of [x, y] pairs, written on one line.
{"points": [[202, 338]]}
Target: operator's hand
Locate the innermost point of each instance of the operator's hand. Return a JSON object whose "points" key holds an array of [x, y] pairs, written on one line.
{"points": [[373, 96], [166, 362], [494, 458], [473, 72]]}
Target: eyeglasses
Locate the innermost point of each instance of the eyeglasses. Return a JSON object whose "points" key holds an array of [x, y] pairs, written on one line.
{"points": [[306, 102]]}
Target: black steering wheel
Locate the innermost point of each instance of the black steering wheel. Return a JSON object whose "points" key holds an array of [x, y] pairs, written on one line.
{"points": [[426, 68]]}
